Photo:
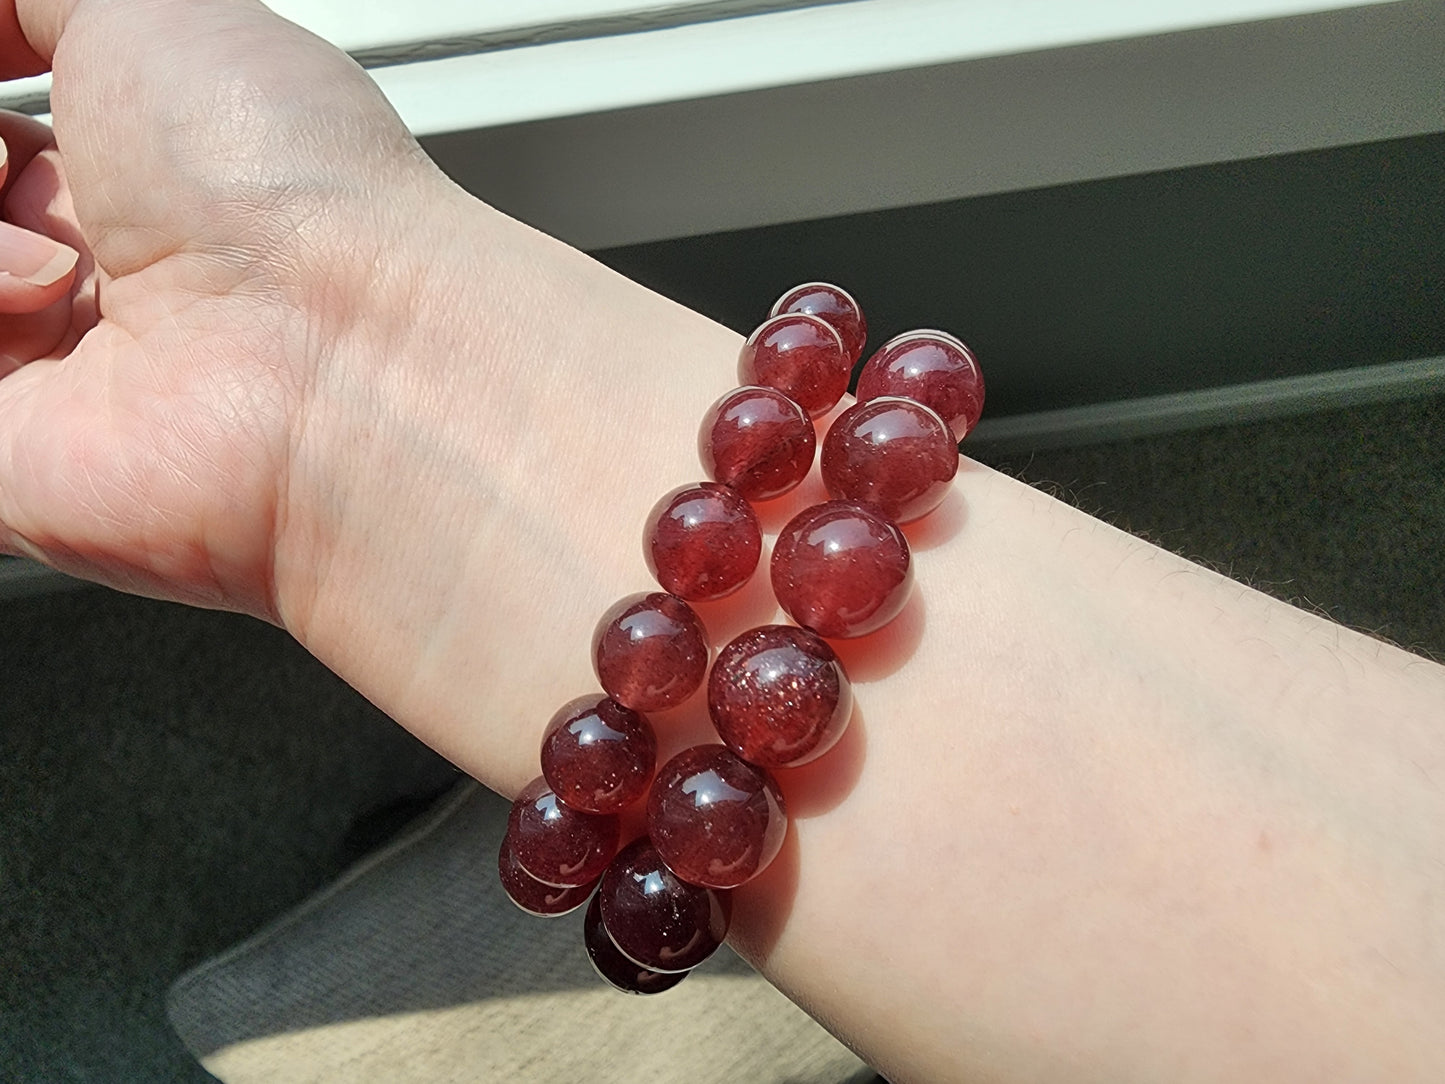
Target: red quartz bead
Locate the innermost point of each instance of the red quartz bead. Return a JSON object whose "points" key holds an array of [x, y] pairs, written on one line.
{"points": [[833, 304], [598, 756], [841, 569], [893, 454], [556, 845], [933, 368], [650, 651], [656, 919], [800, 355], [778, 696], [530, 894], [758, 441], [715, 819], [702, 542], [616, 969]]}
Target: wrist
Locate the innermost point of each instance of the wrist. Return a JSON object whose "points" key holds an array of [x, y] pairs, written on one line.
{"points": [[451, 533]]}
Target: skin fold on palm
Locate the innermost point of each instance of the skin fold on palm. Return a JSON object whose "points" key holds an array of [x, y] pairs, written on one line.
{"points": [[225, 238]]}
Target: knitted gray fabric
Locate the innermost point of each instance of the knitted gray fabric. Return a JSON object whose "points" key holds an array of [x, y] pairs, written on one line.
{"points": [[416, 967]]}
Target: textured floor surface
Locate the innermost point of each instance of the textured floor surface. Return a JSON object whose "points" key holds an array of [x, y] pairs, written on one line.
{"points": [[170, 779]]}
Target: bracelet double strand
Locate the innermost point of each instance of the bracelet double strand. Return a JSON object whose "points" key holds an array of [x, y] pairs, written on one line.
{"points": [[777, 695]]}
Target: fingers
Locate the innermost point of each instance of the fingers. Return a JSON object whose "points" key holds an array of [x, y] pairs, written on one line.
{"points": [[18, 57], [34, 270], [23, 138]]}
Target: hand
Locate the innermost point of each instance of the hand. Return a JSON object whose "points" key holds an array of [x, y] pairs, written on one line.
{"points": [[300, 374], [155, 388]]}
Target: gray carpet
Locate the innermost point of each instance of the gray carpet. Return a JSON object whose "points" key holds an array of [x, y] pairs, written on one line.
{"points": [[170, 779]]}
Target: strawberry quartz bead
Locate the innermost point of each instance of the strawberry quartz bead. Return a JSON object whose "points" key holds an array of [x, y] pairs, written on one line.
{"points": [[715, 819], [833, 304], [598, 756], [893, 454], [930, 367], [841, 569], [758, 441], [650, 651], [530, 894], [556, 845], [616, 969], [702, 542], [778, 696], [654, 918], [800, 355]]}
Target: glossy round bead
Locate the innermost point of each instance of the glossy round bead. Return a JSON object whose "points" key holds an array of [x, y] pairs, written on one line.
{"points": [[758, 441], [530, 894], [841, 569], [800, 355], [702, 542], [556, 845], [933, 368], [649, 651], [598, 756], [656, 919], [778, 696], [715, 819], [833, 304], [616, 969], [893, 454]]}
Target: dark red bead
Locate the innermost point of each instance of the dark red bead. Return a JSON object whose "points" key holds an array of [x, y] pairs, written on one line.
{"points": [[556, 845], [778, 696], [702, 542], [650, 651], [841, 569], [655, 918], [833, 304], [933, 368], [893, 454], [598, 756], [530, 894], [616, 969], [715, 819], [800, 355], [758, 441]]}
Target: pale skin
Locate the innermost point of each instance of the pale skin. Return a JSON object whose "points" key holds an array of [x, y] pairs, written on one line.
{"points": [[1102, 814]]}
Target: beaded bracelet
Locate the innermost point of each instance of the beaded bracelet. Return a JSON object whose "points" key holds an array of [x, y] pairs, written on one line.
{"points": [[777, 695]]}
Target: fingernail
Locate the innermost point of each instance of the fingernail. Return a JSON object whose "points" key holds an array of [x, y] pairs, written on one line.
{"points": [[36, 259]]}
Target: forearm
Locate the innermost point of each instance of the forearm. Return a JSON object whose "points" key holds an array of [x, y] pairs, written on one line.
{"points": [[1101, 813]]}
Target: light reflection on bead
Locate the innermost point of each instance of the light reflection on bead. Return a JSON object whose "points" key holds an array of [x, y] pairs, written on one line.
{"points": [[893, 454], [715, 819], [758, 441], [932, 368], [650, 651], [778, 696], [841, 569], [616, 969], [833, 304], [656, 919], [557, 845], [802, 356], [702, 542], [530, 894], [597, 755]]}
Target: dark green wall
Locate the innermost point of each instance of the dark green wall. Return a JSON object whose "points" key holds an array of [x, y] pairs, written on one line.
{"points": [[1117, 288]]}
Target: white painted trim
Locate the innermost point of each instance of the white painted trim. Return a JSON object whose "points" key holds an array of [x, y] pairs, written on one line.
{"points": [[779, 49], [955, 131], [367, 25], [826, 40]]}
